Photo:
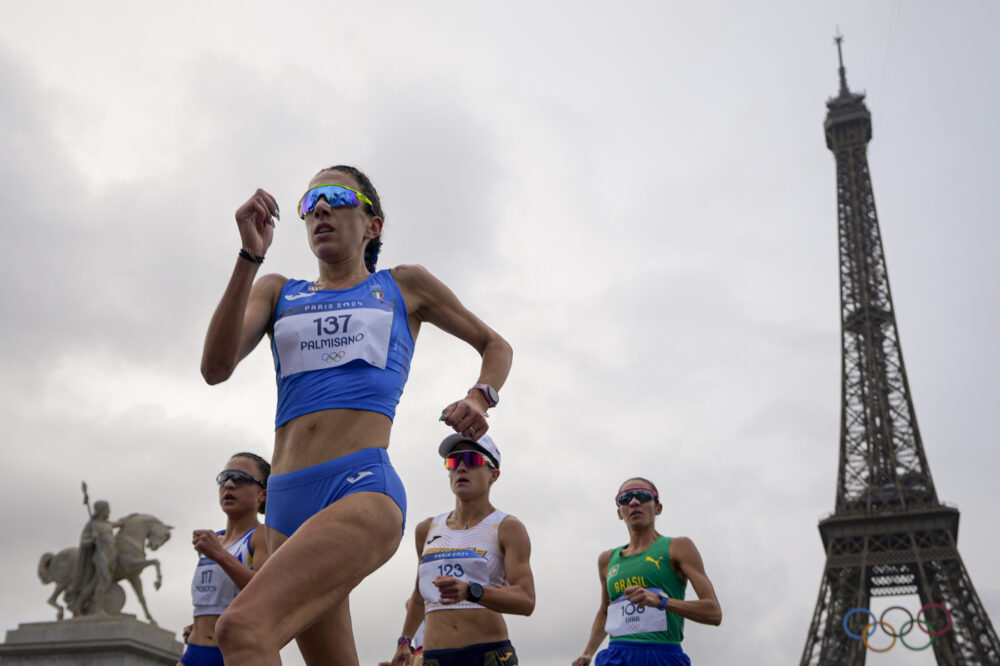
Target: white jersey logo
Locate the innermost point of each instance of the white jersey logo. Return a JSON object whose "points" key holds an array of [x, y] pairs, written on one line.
{"points": [[358, 476], [304, 294]]}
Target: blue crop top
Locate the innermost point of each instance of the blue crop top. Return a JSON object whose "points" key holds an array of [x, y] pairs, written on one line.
{"points": [[340, 348]]}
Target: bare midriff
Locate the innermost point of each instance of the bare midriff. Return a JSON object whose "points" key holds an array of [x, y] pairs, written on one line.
{"points": [[450, 629], [203, 632], [317, 437]]}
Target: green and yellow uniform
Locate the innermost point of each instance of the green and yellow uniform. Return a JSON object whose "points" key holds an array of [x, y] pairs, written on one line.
{"points": [[650, 569]]}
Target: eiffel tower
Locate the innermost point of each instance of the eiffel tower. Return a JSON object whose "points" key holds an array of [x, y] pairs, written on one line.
{"points": [[889, 535]]}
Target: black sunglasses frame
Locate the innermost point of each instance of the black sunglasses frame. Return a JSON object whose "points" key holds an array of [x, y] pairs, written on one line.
{"points": [[238, 477], [624, 498]]}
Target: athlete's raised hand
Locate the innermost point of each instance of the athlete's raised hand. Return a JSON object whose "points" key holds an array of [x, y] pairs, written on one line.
{"points": [[642, 597], [207, 544], [255, 220], [467, 416], [452, 589]]}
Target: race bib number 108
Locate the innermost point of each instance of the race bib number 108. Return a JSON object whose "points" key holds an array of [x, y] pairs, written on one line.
{"points": [[626, 618]]}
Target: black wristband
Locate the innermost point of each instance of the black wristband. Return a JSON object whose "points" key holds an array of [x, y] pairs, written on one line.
{"points": [[249, 256]]}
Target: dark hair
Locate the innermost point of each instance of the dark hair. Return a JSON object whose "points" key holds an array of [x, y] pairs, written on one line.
{"points": [[644, 480], [375, 209], [262, 465]]}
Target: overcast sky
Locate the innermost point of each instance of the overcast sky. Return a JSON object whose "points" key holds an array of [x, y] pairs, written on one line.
{"points": [[636, 195]]}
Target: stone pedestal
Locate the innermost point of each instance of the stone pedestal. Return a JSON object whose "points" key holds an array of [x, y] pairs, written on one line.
{"points": [[120, 640]]}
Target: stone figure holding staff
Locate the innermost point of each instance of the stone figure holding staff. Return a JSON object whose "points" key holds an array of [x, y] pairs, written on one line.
{"points": [[93, 573]]}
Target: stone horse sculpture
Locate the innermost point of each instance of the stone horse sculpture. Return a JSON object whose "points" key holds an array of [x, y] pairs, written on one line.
{"points": [[136, 531]]}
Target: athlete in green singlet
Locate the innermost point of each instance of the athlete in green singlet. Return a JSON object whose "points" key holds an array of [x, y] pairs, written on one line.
{"points": [[642, 589]]}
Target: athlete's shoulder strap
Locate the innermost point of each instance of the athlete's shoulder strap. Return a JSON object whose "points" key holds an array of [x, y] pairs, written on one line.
{"points": [[495, 518], [441, 520]]}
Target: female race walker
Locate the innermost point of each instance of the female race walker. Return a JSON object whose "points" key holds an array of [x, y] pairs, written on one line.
{"points": [[229, 558], [473, 566], [342, 347], [642, 589]]}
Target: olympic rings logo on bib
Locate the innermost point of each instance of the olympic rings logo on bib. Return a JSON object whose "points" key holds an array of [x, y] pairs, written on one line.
{"points": [[907, 626], [625, 618], [333, 357]]}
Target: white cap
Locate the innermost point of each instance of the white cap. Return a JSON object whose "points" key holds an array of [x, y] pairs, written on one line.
{"points": [[484, 443]]}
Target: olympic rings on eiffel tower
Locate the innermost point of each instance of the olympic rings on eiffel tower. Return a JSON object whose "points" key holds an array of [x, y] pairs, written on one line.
{"points": [[930, 638], [904, 629], [946, 612]]}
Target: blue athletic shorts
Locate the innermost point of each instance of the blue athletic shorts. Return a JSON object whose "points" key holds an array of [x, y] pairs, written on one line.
{"points": [[500, 653], [202, 655], [631, 653], [295, 497]]}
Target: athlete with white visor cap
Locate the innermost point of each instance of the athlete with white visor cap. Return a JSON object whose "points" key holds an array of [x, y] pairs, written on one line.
{"points": [[473, 566]]}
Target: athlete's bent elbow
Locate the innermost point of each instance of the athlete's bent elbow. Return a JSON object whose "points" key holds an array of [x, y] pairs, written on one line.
{"points": [[507, 349], [529, 607], [215, 373]]}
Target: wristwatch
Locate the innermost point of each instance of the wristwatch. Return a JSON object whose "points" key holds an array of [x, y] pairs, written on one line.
{"points": [[475, 592], [490, 393], [404, 640], [663, 601]]}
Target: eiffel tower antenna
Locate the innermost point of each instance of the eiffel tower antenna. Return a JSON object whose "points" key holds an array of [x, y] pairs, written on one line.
{"points": [[889, 535]]}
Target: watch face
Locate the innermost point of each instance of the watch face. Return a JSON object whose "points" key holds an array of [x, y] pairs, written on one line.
{"points": [[494, 396], [475, 591]]}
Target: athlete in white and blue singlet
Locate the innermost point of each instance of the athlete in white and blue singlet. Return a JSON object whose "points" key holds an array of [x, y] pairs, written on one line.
{"points": [[342, 345], [473, 566], [228, 559]]}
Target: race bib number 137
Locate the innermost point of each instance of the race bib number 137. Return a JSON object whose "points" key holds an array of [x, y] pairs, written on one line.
{"points": [[320, 339]]}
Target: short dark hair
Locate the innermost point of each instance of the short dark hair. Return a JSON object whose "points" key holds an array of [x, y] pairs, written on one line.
{"points": [[644, 480]]}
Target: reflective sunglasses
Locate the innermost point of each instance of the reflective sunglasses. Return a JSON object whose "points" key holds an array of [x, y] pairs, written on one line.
{"points": [[470, 458], [336, 195], [238, 477], [641, 494]]}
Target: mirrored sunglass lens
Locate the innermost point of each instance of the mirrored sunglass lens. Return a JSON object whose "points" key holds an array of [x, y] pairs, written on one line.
{"points": [[471, 460], [339, 196], [307, 203], [335, 195]]}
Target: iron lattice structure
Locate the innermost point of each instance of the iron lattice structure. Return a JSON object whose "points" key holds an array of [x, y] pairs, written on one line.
{"points": [[889, 535]]}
